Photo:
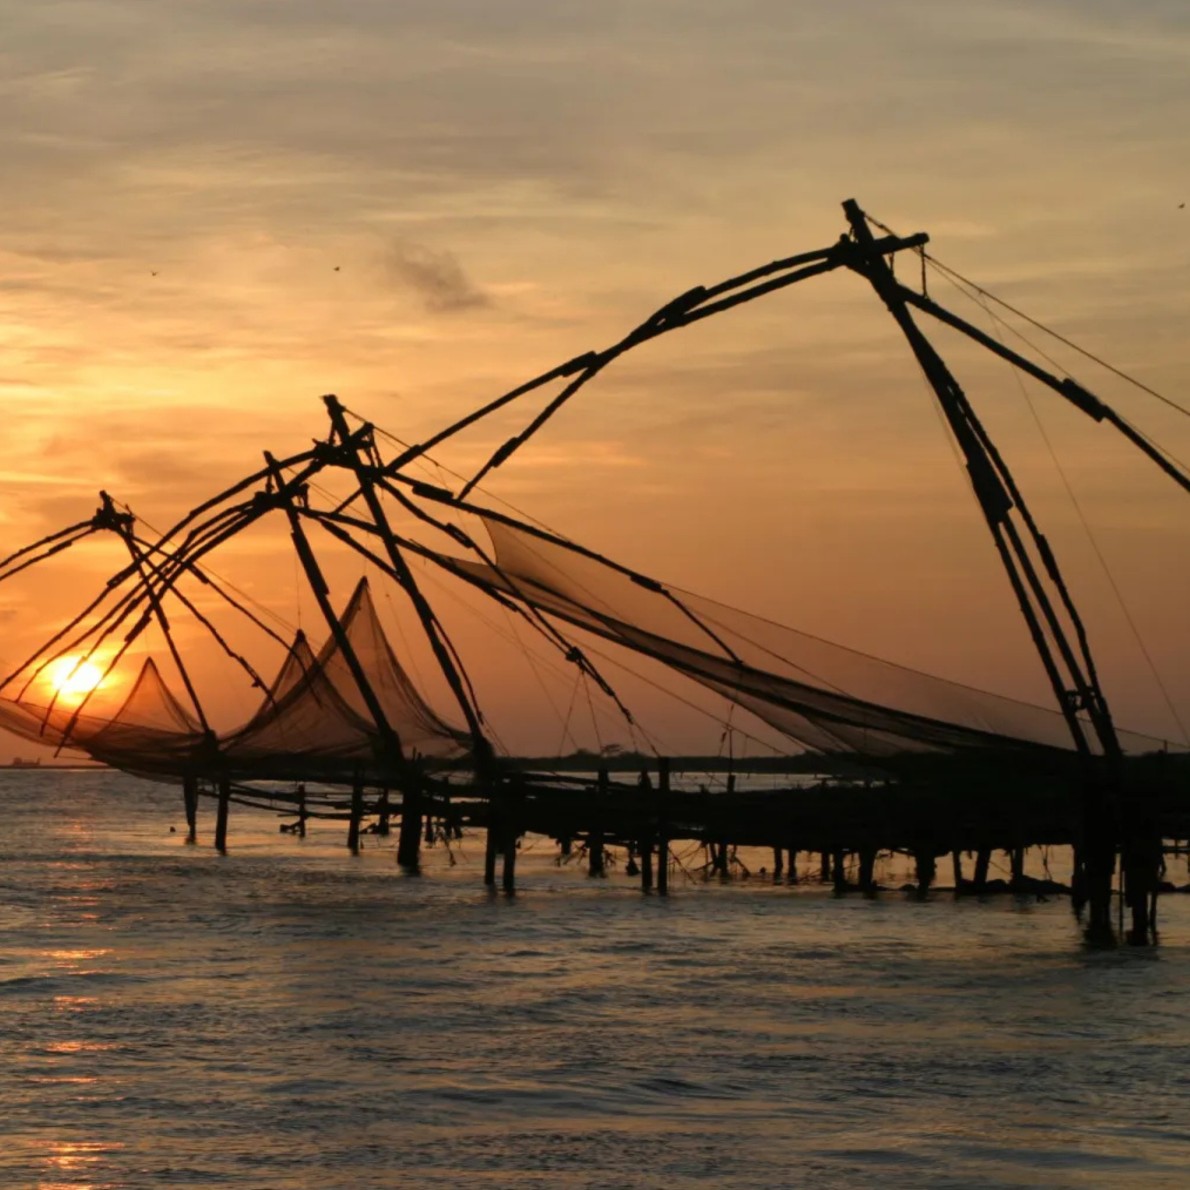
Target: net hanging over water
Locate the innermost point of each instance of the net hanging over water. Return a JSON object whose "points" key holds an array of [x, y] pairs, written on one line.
{"points": [[313, 722], [822, 696], [149, 732]]}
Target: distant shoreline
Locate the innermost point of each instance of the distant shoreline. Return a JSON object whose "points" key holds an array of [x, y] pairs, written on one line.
{"points": [[25, 767]]}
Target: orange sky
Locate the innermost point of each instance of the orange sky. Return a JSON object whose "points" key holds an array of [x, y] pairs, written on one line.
{"points": [[215, 212]]}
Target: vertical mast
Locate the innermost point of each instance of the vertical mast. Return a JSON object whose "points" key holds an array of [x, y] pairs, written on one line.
{"points": [[1076, 688], [425, 613]]}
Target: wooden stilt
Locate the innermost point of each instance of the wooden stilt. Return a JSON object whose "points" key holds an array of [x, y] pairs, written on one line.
{"points": [[409, 840], [595, 861], [791, 870], [357, 813], [824, 870], [190, 801], [383, 811], [492, 843], [983, 860], [302, 812], [927, 866], [646, 864], [221, 815], [511, 830], [956, 864], [1141, 858], [1078, 882], [509, 852], [1016, 859], [840, 871], [778, 862], [867, 865], [723, 862], [663, 826], [489, 856]]}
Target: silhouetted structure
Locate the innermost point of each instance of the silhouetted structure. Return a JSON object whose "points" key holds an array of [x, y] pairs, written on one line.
{"points": [[950, 768]]}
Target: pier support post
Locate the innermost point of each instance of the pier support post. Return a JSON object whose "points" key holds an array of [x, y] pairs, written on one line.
{"points": [[648, 832], [720, 863], [778, 862], [190, 801], [409, 840], [510, 829], [1078, 882], [508, 878], [302, 812], [383, 810], [1141, 859], [357, 813], [824, 870], [492, 844], [956, 864], [595, 863], [1016, 858], [926, 866], [791, 870], [663, 826], [867, 864], [839, 870], [983, 861], [221, 815], [645, 847]]}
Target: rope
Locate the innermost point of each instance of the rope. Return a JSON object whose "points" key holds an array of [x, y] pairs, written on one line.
{"points": [[1152, 666]]}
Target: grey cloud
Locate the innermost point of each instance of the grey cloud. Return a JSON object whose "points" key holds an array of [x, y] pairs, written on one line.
{"points": [[435, 275]]}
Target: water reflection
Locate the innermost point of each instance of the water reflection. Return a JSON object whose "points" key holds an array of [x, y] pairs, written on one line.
{"points": [[295, 1018], [70, 1164]]}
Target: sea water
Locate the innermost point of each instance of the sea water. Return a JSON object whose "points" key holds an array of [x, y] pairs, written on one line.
{"points": [[290, 1016]]}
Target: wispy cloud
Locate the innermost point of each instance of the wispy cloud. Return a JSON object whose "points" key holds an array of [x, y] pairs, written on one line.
{"points": [[435, 275]]}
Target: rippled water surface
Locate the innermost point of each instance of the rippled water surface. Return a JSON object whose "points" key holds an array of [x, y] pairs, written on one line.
{"points": [[288, 1016]]}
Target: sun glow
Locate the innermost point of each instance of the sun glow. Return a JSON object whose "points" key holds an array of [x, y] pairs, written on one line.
{"points": [[73, 678]]}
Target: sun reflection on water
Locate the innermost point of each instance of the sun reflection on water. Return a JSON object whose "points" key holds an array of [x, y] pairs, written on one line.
{"points": [[69, 1164]]}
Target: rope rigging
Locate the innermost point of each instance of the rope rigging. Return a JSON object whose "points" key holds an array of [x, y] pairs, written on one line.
{"points": [[548, 581]]}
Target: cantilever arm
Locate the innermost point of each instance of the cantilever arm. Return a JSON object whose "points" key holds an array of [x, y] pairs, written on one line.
{"points": [[1074, 392]]}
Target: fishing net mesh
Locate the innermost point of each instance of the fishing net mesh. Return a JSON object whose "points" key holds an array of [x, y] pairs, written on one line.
{"points": [[822, 696]]}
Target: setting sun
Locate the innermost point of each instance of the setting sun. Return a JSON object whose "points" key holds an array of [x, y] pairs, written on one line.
{"points": [[72, 677]]}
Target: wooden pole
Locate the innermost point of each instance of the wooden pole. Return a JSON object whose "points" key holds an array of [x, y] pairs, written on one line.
{"points": [[956, 864], [302, 812], [1016, 859], [390, 752], [663, 826], [511, 829], [645, 847], [983, 861], [190, 801], [491, 844], [595, 862], [840, 871], [1075, 690], [409, 840], [927, 867], [867, 865], [357, 813], [221, 814]]}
